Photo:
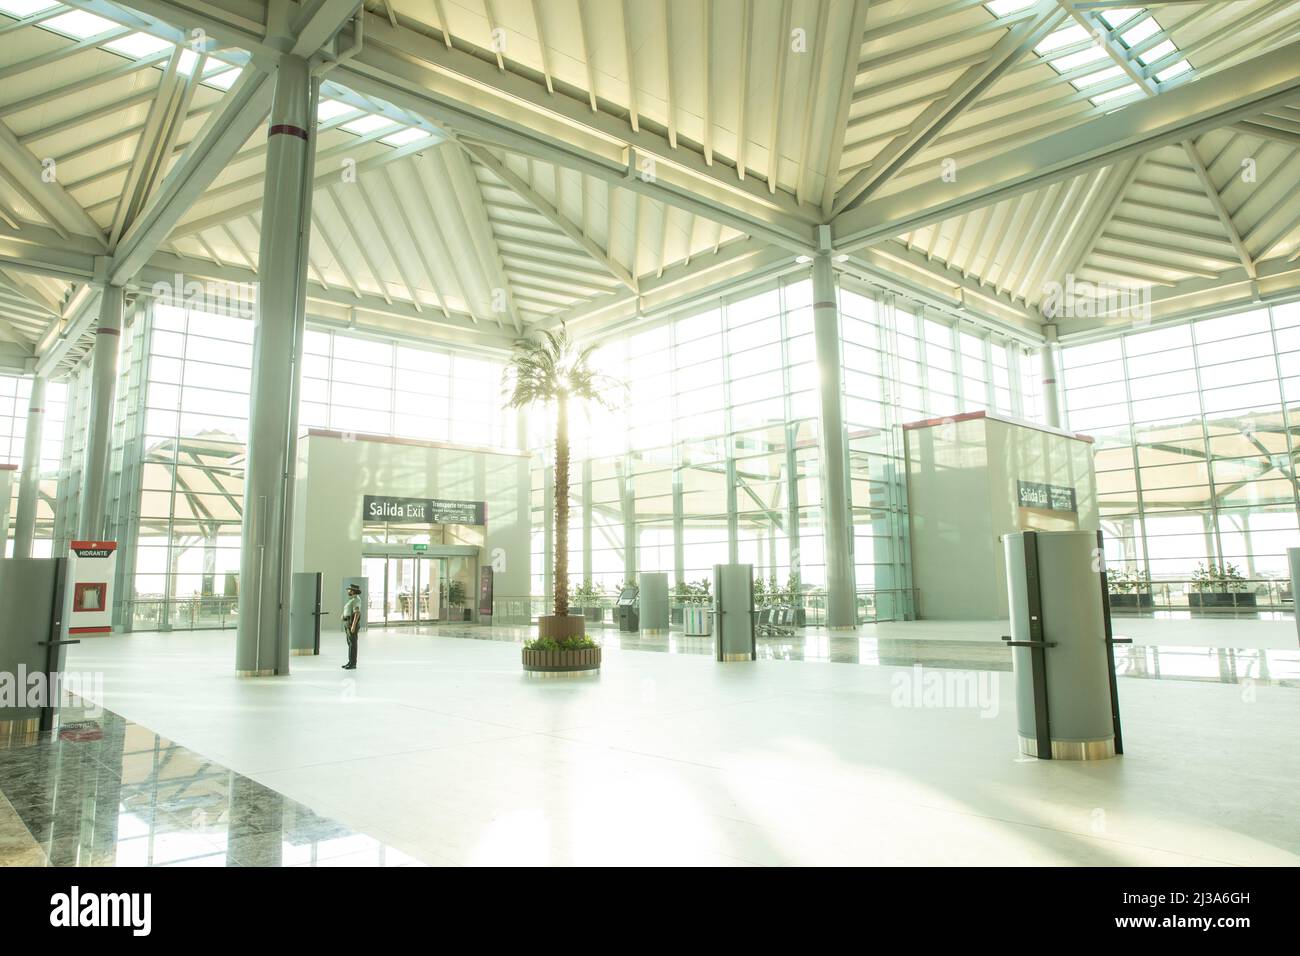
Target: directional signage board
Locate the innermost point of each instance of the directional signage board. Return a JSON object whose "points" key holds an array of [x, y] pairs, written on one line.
{"points": [[1033, 494], [423, 510]]}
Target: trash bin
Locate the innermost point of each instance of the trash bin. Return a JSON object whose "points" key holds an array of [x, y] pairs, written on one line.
{"points": [[697, 621], [1062, 648]]}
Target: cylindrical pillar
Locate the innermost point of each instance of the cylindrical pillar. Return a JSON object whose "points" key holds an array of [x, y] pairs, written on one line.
{"points": [[840, 595], [653, 599], [29, 486], [99, 435], [262, 644], [1051, 394], [1293, 560], [6, 498]]}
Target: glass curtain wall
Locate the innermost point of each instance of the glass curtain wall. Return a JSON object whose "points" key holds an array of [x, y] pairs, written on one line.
{"points": [[714, 455], [711, 456], [15, 395], [192, 439], [903, 362], [1195, 427]]}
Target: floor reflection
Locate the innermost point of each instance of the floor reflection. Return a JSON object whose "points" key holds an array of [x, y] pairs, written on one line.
{"points": [[1163, 662], [102, 791]]}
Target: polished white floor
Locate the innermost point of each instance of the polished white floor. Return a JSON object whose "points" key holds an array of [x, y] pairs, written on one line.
{"points": [[1270, 631], [440, 747]]}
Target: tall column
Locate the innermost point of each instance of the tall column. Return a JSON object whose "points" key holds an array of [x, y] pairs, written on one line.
{"points": [[29, 487], [679, 528], [627, 497], [99, 436], [548, 532], [840, 596], [1051, 394], [262, 644], [586, 521]]}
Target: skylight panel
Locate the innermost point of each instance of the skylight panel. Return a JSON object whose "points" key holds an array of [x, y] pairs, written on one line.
{"points": [[368, 124], [79, 24], [25, 8], [187, 62], [1135, 35], [1127, 28], [1082, 58], [1063, 37], [1109, 95], [1178, 69], [1003, 8], [223, 81], [1157, 52], [404, 136], [329, 109], [1101, 76], [1117, 18], [138, 45]]}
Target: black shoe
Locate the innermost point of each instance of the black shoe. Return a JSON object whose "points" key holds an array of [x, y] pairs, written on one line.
{"points": [[349, 667]]}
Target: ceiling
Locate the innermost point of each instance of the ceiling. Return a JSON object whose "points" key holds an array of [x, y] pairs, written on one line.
{"points": [[484, 167]]}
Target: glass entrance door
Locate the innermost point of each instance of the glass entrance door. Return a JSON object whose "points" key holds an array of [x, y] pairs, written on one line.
{"points": [[430, 589], [419, 589], [403, 587], [459, 583]]}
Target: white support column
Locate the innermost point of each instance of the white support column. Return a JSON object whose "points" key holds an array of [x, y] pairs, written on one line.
{"points": [[99, 436], [841, 598], [1051, 394], [29, 486], [262, 645]]}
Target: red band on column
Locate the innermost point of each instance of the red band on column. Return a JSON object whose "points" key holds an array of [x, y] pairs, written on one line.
{"points": [[823, 305], [108, 332], [288, 128]]}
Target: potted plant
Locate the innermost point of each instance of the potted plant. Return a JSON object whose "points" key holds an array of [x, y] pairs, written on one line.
{"points": [[455, 601], [587, 597], [1128, 588], [794, 590], [1214, 586], [681, 598], [549, 368]]}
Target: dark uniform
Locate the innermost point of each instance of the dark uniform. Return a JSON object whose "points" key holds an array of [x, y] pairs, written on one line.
{"points": [[352, 624]]}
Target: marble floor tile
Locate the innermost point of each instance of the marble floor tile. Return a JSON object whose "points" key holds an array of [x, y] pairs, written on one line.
{"points": [[129, 797]]}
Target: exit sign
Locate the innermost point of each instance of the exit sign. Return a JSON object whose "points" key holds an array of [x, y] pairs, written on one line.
{"points": [[420, 547]]}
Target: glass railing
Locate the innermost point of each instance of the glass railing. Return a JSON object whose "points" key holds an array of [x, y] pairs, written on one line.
{"points": [[1183, 594], [809, 610], [186, 614]]}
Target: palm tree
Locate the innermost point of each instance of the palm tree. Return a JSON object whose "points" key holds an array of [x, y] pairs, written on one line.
{"points": [[551, 367]]}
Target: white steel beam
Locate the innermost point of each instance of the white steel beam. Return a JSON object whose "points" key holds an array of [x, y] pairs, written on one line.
{"points": [[27, 173], [1187, 111], [550, 213], [246, 106], [1018, 41], [317, 24]]}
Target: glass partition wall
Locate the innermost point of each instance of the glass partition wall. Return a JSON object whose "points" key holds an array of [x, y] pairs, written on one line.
{"points": [[1196, 453]]}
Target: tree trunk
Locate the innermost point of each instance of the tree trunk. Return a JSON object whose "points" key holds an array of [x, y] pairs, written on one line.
{"points": [[562, 508]]}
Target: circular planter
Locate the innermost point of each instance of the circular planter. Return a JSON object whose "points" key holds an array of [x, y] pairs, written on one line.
{"points": [[577, 663]]}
